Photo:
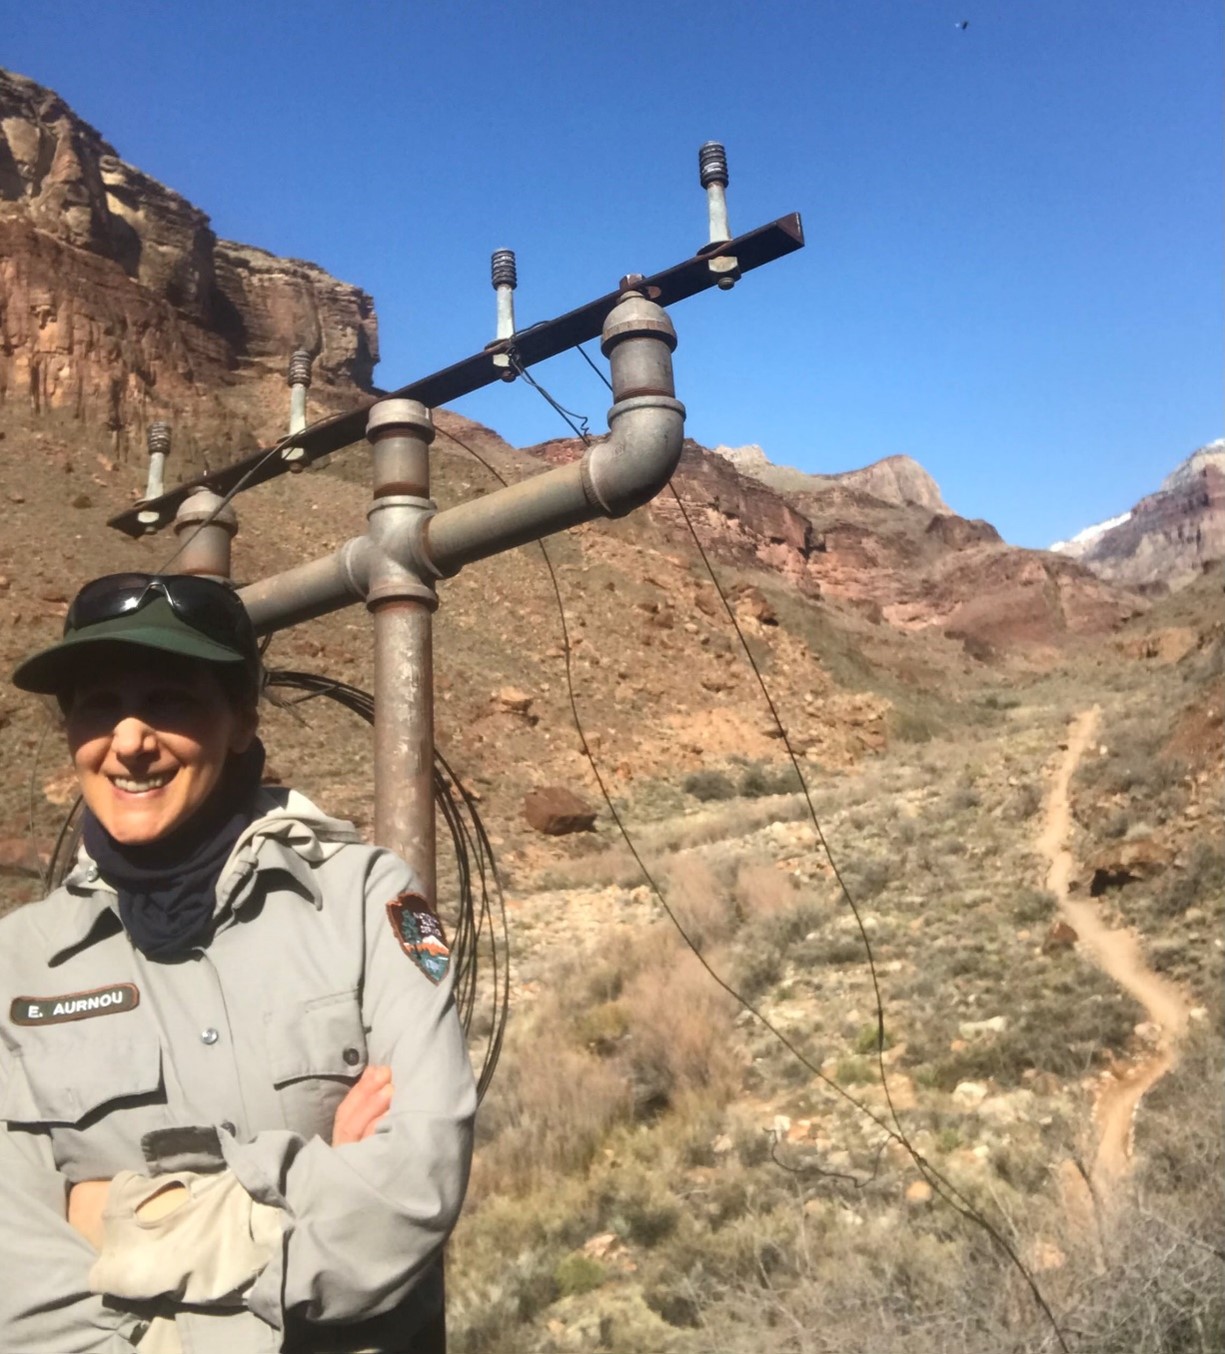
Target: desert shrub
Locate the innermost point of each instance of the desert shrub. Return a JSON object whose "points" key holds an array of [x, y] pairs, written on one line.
{"points": [[770, 942], [576, 1274], [550, 1117], [757, 781], [840, 947], [1001, 700], [854, 1071], [866, 1039], [1200, 882], [601, 1028], [494, 1319], [709, 785], [1033, 905], [679, 1034], [867, 876], [638, 1204], [675, 1303], [964, 797], [763, 889], [1024, 802], [703, 904], [908, 726], [1117, 823], [1066, 1028]]}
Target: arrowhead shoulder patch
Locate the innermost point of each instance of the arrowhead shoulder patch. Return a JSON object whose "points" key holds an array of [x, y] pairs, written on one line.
{"points": [[419, 933]]}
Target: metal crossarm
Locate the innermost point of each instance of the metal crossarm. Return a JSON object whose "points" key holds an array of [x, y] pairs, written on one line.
{"points": [[531, 345]]}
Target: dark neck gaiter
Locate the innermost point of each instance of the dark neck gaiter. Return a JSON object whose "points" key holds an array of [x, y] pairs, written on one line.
{"points": [[167, 888]]}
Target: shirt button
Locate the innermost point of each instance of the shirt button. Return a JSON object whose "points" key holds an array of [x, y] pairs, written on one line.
{"points": [[91, 874], [351, 1056], [209, 1036]]}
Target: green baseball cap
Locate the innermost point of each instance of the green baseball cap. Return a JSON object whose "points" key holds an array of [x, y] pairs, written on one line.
{"points": [[196, 618]]}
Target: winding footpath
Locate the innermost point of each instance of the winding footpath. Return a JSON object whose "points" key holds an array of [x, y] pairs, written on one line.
{"points": [[1118, 954]]}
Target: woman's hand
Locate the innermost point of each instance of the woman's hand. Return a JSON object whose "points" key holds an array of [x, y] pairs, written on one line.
{"points": [[358, 1114], [85, 1204]]}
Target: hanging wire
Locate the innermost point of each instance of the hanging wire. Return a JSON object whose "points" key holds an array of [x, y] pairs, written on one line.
{"points": [[892, 1128], [583, 354], [579, 428]]}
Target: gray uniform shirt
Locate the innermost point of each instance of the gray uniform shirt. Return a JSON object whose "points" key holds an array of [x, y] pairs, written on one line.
{"points": [[235, 1056]]}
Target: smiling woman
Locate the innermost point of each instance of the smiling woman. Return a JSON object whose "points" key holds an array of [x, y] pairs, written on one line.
{"points": [[235, 1111]]}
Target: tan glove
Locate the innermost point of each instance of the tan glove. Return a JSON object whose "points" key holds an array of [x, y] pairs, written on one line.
{"points": [[195, 1238]]}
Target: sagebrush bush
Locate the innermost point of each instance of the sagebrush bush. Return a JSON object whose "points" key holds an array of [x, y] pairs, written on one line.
{"points": [[708, 785], [550, 1118], [701, 901], [679, 1031]]}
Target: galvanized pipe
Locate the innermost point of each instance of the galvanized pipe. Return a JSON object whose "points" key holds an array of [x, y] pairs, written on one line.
{"points": [[627, 469], [513, 516], [404, 735], [614, 476], [402, 606], [310, 590], [206, 530]]}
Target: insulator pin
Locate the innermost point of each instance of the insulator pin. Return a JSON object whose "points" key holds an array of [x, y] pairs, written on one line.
{"points": [[712, 164], [158, 438], [300, 368], [502, 268]]}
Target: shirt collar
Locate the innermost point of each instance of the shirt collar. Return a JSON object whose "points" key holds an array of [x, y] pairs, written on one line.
{"points": [[83, 919], [88, 912]]}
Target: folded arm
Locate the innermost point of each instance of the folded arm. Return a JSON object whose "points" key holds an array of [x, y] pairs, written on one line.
{"points": [[46, 1306]]}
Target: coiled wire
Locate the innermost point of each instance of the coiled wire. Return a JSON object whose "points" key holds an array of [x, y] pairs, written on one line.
{"points": [[480, 943]]}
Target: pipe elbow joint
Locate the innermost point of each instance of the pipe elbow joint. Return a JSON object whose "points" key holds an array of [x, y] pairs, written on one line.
{"points": [[637, 460]]}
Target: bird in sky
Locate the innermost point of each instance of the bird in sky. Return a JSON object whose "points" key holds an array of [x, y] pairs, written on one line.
{"points": [[963, 25]]}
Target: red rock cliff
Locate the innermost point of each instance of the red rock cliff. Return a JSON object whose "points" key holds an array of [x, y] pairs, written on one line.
{"points": [[118, 304]]}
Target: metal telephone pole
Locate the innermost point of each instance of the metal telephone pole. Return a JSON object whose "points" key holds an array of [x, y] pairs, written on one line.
{"points": [[410, 544]]}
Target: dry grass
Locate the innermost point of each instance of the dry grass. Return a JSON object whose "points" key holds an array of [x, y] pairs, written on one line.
{"points": [[678, 1034], [549, 1119], [732, 1239]]}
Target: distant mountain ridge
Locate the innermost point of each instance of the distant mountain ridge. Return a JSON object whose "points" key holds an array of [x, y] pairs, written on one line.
{"points": [[897, 479], [1170, 536]]}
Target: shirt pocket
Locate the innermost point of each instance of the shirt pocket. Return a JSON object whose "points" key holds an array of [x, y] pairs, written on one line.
{"points": [[316, 1051], [95, 1086]]}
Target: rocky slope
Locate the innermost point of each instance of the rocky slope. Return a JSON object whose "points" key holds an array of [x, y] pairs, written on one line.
{"points": [[861, 593], [882, 541], [120, 305], [1169, 537]]}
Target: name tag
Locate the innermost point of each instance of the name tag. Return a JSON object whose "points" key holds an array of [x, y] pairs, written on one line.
{"points": [[74, 1005]]}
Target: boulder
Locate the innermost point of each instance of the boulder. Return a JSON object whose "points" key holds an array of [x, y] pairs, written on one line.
{"points": [[556, 811], [514, 701], [1059, 936], [1125, 863]]}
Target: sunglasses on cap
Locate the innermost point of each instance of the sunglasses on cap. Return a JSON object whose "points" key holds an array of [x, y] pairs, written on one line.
{"points": [[208, 607]]}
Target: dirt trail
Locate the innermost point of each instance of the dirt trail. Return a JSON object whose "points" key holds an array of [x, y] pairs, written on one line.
{"points": [[1118, 954]]}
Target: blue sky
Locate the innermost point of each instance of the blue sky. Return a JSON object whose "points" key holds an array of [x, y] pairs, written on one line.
{"points": [[1013, 270]]}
